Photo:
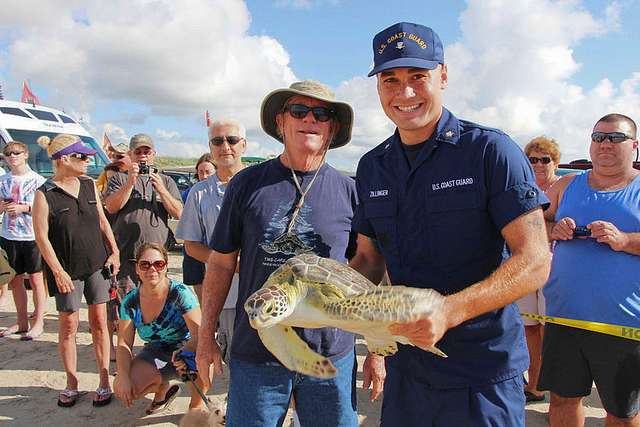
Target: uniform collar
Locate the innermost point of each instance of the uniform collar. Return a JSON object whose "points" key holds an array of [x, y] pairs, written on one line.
{"points": [[448, 130]]}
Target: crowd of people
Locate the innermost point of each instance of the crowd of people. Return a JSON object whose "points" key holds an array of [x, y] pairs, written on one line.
{"points": [[443, 203]]}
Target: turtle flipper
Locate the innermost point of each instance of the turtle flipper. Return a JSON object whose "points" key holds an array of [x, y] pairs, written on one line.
{"points": [[294, 353], [381, 348]]}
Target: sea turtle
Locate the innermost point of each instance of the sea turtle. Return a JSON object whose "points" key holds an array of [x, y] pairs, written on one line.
{"points": [[309, 291]]}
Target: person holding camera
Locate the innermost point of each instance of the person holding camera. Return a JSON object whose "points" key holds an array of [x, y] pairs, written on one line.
{"points": [[141, 201], [594, 218]]}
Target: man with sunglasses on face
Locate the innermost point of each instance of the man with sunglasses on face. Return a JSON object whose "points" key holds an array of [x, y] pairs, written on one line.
{"points": [[594, 218], [283, 207], [438, 201], [141, 201], [227, 144]]}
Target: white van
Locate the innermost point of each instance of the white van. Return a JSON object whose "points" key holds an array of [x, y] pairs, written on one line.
{"points": [[26, 123]]}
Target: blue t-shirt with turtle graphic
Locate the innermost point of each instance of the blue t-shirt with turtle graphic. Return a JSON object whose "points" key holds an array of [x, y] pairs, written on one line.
{"points": [[258, 206], [169, 328]]}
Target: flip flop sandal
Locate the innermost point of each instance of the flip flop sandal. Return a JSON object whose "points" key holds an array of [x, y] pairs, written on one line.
{"points": [[169, 397], [10, 331], [29, 337], [103, 397], [530, 397], [72, 395]]}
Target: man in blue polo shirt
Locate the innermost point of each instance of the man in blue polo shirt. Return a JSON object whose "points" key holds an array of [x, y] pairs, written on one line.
{"points": [[438, 201]]}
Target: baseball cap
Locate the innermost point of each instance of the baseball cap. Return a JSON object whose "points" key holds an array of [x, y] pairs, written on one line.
{"points": [[406, 45], [141, 140]]}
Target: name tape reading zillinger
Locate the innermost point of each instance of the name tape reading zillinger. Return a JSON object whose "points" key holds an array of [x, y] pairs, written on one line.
{"points": [[627, 332]]}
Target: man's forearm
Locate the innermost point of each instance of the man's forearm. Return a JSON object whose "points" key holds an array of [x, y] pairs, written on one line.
{"points": [[197, 250], [215, 289], [518, 276], [172, 205], [633, 244], [116, 201]]}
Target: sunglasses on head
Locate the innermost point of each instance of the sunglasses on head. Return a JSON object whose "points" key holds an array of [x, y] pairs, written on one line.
{"points": [[157, 265], [13, 153], [615, 137], [231, 139], [79, 156], [300, 111], [544, 160]]}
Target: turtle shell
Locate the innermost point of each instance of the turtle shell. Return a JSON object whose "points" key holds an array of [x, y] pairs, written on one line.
{"points": [[312, 268]]}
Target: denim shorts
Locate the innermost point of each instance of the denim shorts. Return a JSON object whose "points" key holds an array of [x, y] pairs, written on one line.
{"points": [[410, 403], [259, 395]]}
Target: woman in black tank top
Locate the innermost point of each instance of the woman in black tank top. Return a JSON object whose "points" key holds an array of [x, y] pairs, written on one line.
{"points": [[71, 231]]}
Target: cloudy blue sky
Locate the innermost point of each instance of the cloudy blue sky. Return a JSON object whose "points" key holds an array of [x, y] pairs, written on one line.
{"points": [[529, 67]]}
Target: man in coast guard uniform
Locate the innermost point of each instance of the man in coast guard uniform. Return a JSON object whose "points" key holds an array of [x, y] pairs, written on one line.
{"points": [[438, 201]]}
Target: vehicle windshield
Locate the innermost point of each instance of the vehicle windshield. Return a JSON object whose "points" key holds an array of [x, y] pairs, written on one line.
{"points": [[39, 159]]}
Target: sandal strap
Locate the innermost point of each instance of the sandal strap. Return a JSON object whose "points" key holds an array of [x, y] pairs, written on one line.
{"points": [[69, 393], [103, 392]]}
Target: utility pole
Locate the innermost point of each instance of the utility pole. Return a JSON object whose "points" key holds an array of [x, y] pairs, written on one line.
{"points": [[1, 95]]}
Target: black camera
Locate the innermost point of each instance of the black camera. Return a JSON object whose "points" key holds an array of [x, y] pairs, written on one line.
{"points": [[145, 169], [581, 231]]}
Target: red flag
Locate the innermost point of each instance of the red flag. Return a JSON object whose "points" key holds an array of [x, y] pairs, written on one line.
{"points": [[106, 143], [28, 96], [207, 118]]}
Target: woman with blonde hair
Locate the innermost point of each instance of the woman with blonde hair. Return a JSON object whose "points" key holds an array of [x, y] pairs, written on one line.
{"points": [[71, 230], [544, 154]]}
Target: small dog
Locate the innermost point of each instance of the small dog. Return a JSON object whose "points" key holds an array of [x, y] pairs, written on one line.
{"points": [[202, 418]]}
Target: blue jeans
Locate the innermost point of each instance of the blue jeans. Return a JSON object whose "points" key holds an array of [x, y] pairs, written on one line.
{"points": [[259, 395]]}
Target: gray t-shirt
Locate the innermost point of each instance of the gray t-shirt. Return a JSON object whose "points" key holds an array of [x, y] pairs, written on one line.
{"points": [[199, 218], [143, 219]]}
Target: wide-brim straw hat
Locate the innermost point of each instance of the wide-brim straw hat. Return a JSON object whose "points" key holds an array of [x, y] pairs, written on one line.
{"points": [[274, 103]]}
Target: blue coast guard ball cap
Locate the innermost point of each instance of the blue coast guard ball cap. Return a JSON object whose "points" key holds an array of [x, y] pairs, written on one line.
{"points": [[406, 45]]}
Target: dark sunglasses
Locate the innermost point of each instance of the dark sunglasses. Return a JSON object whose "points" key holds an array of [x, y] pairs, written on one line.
{"points": [[615, 137], [158, 265], [231, 139], [79, 156], [13, 153], [300, 111], [545, 160], [118, 156]]}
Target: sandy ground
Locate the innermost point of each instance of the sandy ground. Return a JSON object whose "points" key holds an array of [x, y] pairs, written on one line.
{"points": [[31, 377]]}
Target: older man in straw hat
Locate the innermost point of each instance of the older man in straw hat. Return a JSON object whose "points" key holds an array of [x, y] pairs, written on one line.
{"points": [[292, 204]]}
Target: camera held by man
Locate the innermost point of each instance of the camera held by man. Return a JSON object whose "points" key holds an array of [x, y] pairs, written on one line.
{"points": [[145, 169]]}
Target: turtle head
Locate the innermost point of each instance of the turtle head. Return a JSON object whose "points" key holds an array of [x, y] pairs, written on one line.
{"points": [[268, 306]]}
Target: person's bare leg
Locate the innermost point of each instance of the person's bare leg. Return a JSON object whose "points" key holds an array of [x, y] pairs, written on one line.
{"points": [[534, 343], [612, 421], [4, 295], [67, 346], [198, 291], [111, 325], [566, 411], [39, 303], [20, 301], [100, 335], [196, 401]]}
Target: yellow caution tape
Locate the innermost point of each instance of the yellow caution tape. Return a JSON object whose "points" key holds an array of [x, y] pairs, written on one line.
{"points": [[627, 332]]}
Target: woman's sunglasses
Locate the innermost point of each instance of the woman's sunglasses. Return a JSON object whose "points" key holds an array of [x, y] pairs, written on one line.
{"points": [[544, 160], [157, 265], [615, 137], [231, 139], [13, 153], [300, 111], [79, 156]]}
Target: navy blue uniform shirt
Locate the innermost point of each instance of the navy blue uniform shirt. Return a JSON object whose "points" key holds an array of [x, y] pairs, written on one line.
{"points": [[438, 226]]}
